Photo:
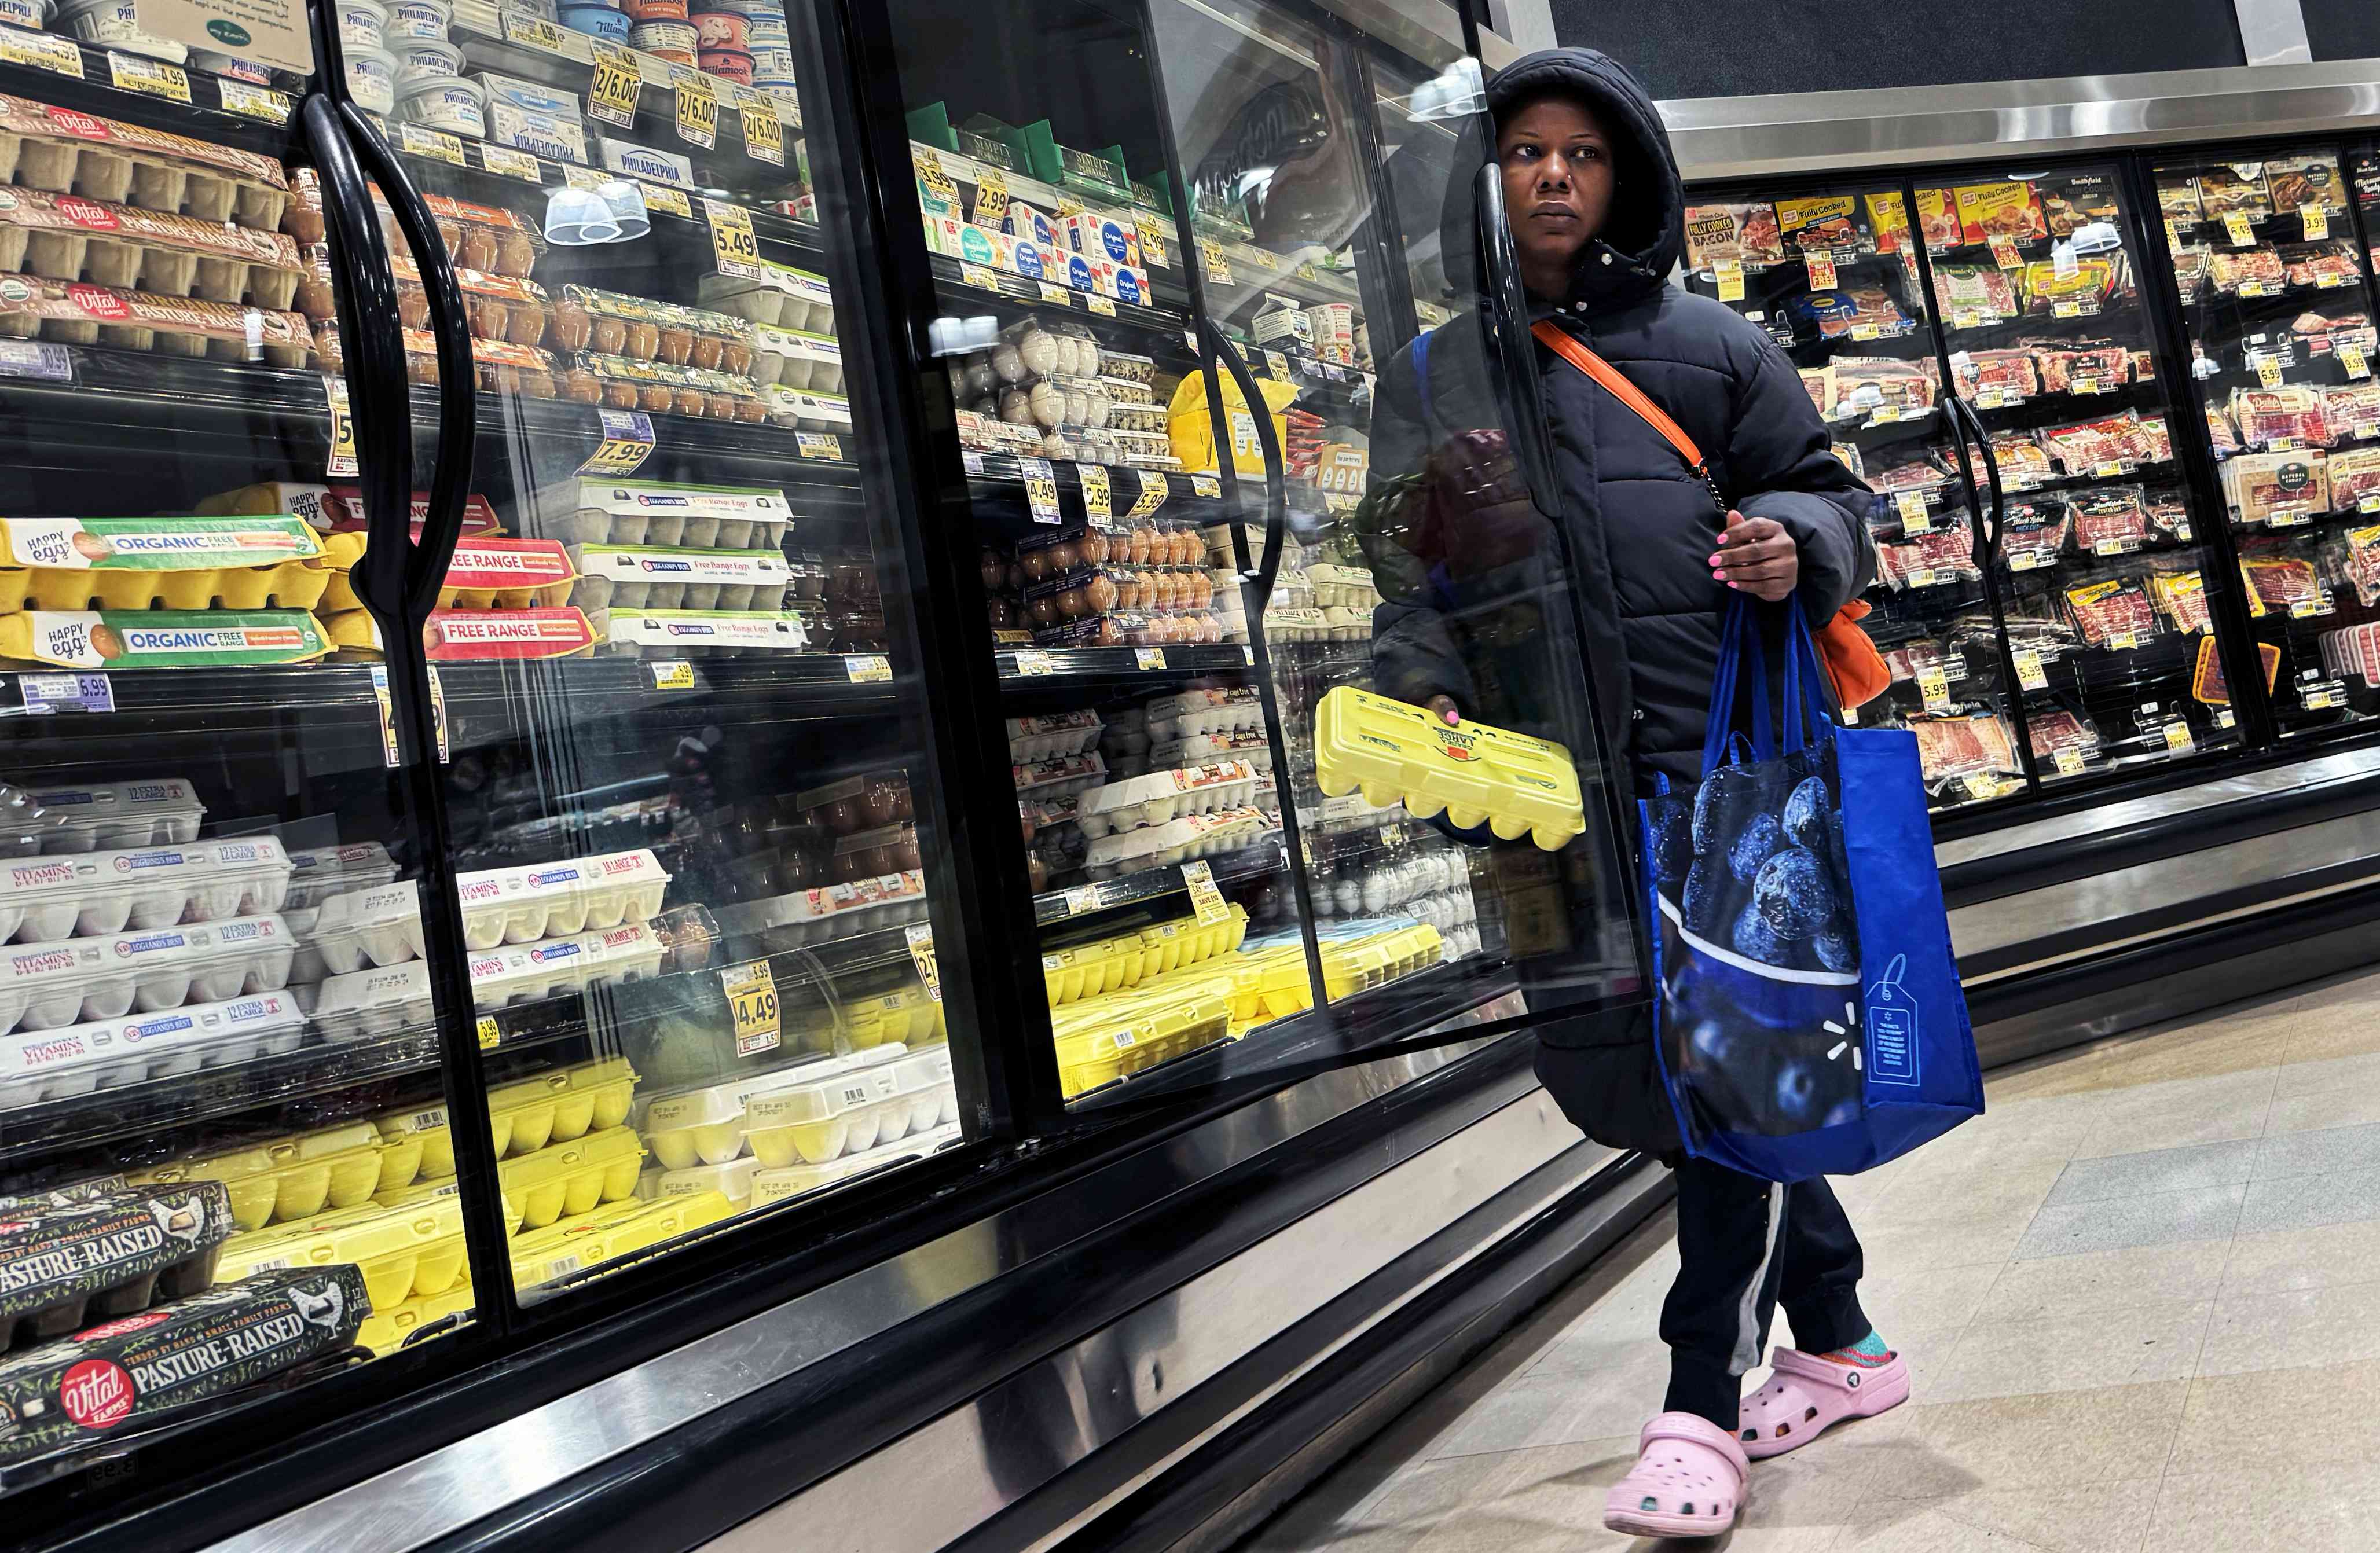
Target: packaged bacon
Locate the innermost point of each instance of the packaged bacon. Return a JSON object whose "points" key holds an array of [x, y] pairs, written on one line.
{"points": [[1887, 218], [2178, 199], [2207, 684], [2264, 416], [2296, 182], [2085, 366], [2074, 199], [1911, 658], [2277, 489], [1923, 473], [2181, 597], [2090, 446], [1928, 560], [2284, 581], [2353, 409], [2032, 532], [1818, 382], [1746, 234], [2000, 210], [2227, 188], [2002, 377], [2192, 268], [2321, 265], [2352, 652], [2354, 479], [2362, 564], [1963, 744], [1865, 311], [1825, 223], [2111, 612], [1864, 385], [2023, 463], [2150, 442], [2061, 740], [2248, 272], [2077, 289], [2169, 515], [1970, 295], [2324, 336], [2111, 520], [79, 313]]}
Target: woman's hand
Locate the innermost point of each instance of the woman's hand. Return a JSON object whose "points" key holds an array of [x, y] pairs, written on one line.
{"points": [[1757, 555], [1444, 706]]}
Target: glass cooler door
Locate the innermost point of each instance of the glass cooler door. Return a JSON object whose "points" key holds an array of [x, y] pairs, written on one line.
{"points": [[214, 1189], [701, 864]]}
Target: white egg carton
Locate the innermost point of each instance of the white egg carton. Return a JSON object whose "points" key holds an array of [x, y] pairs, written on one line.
{"points": [[1176, 840], [376, 928], [560, 898], [318, 873], [732, 1181], [797, 358], [1164, 796], [882, 1095], [47, 987], [95, 894], [1350, 587], [697, 633], [832, 911], [1061, 777], [810, 411], [642, 512], [784, 296], [1205, 712], [110, 1053], [115, 815], [1240, 744], [795, 1181], [1049, 737], [556, 967], [374, 1002], [704, 1126], [655, 578]]}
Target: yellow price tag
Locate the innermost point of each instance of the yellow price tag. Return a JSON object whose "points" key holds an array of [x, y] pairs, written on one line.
{"points": [[438, 710], [2268, 371], [1149, 493], [818, 444], [618, 82], [2317, 222], [921, 954], [1041, 488], [1098, 304], [1099, 502], [254, 102], [512, 163], [1153, 251], [342, 463], [43, 50], [764, 132], [1211, 260], [1058, 295], [698, 110], [1278, 365], [674, 673], [535, 31], [1730, 274], [1822, 270], [581, 177], [133, 72], [2351, 358], [1933, 685], [388, 743], [1034, 663], [751, 992], [934, 186], [1148, 657], [1206, 485], [435, 144], [1206, 900], [1915, 517], [662, 196], [628, 442], [979, 275], [991, 198], [489, 1036], [734, 247], [2236, 226], [2068, 760], [867, 668], [2029, 671], [2177, 739]]}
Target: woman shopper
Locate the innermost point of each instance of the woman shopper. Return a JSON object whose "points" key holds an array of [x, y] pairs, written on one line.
{"points": [[1465, 563]]}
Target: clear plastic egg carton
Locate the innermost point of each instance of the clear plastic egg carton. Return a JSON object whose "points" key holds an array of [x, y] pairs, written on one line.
{"points": [[1160, 796], [115, 815], [1048, 737], [560, 898], [1063, 776], [1176, 840], [587, 511], [318, 873], [657, 578], [362, 1004], [796, 1180], [1204, 711], [831, 911], [109, 1054], [365, 927], [96, 895], [47, 987], [556, 967]]}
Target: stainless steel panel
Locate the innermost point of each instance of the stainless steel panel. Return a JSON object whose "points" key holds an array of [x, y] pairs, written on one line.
{"points": [[449, 1488], [1735, 136], [939, 1482], [2273, 31]]}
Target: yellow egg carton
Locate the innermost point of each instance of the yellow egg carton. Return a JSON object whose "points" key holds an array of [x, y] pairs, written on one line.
{"points": [[402, 1252], [571, 1178], [1103, 1039], [272, 562], [425, 1191], [1394, 751], [524, 1115], [1125, 959], [610, 1232], [906, 1014], [388, 1328], [484, 573], [289, 1180]]}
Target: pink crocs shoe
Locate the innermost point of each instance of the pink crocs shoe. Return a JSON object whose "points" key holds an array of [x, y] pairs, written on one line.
{"points": [[1807, 1394], [1688, 1481]]}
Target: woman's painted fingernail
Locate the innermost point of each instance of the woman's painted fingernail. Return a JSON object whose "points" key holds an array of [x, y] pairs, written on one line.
{"points": [[1714, 560]]}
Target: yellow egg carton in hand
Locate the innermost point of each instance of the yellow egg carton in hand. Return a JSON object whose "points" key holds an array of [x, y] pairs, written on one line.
{"points": [[70, 563], [1394, 751]]}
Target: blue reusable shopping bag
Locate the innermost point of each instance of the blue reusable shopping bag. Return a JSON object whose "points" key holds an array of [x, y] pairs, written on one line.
{"points": [[1810, 1020]]}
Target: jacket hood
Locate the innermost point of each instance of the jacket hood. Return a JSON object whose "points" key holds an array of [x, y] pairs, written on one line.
{"points": [[1644, 234]]}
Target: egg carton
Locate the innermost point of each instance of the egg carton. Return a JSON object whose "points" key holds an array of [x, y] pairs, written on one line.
{"points": [[608, 1233], [317, 873], [1250, 745], [732, 1181], [1349, 586], [797, 358], [403, 1252], [66, 237], [698, 633], [60, 151], [831, 911], [783, 297], [66, 1261], [1394, 751], [364, 928], [110, 1054], [880, 1096], [364, 1003], [292, 1179], [788, 1181], [98, 894], [47, 987], [588, 511], [1176, 840], [1053, 736], [483, 574], [1124, 960], [655, 578], [703, 1125], [1162, 796], [1063, 776], [556, 967], [159, 562], [572, 1177], [1204, 711], [390, 1328], [809, 410], [118, 815], [560, 898]]}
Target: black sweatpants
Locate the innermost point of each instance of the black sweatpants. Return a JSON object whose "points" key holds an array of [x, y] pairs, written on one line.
{"points": [[1745, 1246]]}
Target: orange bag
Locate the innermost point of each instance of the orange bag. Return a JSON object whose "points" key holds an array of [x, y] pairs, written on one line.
{"points": [[1852, 662]]}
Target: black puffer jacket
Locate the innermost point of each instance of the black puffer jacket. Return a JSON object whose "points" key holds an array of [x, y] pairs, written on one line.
{"points": [[1640, 524]]}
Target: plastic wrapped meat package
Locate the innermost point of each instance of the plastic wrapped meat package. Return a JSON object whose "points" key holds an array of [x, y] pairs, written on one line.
{"points": [[2081, 288], [2080, 366], [2072, 200], [2322, 335], [2178, 197], [74, 1257], [1962, 745], [2085, 447], [1929, 559], [2264, 416], [2005, 376], [113, 1053], [2062, 741], [2226, 189], [2180, 595], [1746, 234], [1859, 386], [1822, 223], [1866, 311], [2023, 462], [2112, 611], [2295, 182], [2353, 653], [1911, 658], [2110, 519], [2250, 271], [560, 899], [2352, 410], [1969, 295], [2284, 580], [2320, 265], [2283, 489], [2032, 532], [2360, 563]]}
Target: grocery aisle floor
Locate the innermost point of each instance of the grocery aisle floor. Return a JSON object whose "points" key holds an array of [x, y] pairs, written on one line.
{"points": [[2140, 1297]]}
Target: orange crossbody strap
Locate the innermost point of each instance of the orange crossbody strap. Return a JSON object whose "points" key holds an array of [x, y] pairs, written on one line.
{"points": [[1565, 345]]}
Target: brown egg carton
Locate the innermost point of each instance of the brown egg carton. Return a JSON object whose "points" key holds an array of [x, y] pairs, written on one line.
{"points": [[68, 237], [78, 314], [625, 382], [481, 238], [68, 1259], [63, 151]]}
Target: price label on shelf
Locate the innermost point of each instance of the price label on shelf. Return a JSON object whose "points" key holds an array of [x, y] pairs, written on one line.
{"points": [[1098, 304], [2317, 222], [250, 101], [435, 144], [1277, 365], [1967, 317], [342, 463], [1914, 516], [662, 196], [2279, 444], [751, 992], [46, 694], [1921, 577], [1206, 485], [1988, 784], [1058, 295], [1206, 900], [2329, 280], [2123, 641], [697, 109], [1933, 685], [437, 709], [2235, 226], [2304, 609], [1099, 502], [153, 78], [735, 250], [1729, 273], [42, 51], [490, 1035], [2070, 307], [1080, 899], [2067, 759], [1865, 331], [671, 674], [1149, 491], [2004, 254], [1034, 663], [934, 181], [2321, 699], [867, 668], [818, 444], [980, 276], [1153, 251], [764, 132], [2223, 719], [1149, 658], [921, 954], [2172, 235], [2110, 546], [2268, 371], [1041, 488], [1822, 270], [1884, 415], [627, 443], [2177, 739], [2028, 670], [990, 197], [387, 714], [618, 82], [534, 31], [577, 177], [1211, 260], [511, 164], [2351, 360]]}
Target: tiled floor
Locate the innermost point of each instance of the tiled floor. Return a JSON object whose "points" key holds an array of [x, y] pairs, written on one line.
{"points": [[2141, 1298]]}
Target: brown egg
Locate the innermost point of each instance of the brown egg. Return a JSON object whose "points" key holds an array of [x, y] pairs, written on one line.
{"points": [[571, 326], [735, 357], [1064, 556], [1142, 542], [1036, 564], [450, 234], [722, 407], [1000, 614], [527, 325], [1101, 592], [751, 409], [315, 299], [608, 335], [1073, 602], [1095, 548], [536, 384], [515, 255], [691, 401], [582, 387], [422, 369], [842, 815], [479, 249], [991, 569], [676, 345], [644, 341], [903, 853], [489, 318], [620, 395], [303, 223], [1042, 611], [1110, 634], [705, 351], [656, 396], [903, 806], [413, 308], [1016, 578]]}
